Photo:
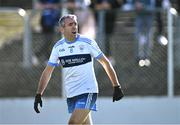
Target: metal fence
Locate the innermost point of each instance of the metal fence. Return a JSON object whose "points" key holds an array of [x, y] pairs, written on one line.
{"points": [[17, 80]]}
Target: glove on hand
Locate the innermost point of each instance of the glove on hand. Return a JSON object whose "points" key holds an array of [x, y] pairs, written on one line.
{"points": [[36, 102], [118, 93]]}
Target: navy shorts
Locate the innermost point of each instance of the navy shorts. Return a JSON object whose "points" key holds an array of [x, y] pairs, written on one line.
{"points": [[83, 101]]}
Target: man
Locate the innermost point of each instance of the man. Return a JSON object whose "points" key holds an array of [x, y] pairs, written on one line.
{"points": [[109, 9], [161, 4], [75, 54], [50, 14], [143, 30]]}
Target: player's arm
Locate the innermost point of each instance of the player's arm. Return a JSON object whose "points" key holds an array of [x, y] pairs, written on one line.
{"points": [[43, 82], [118, 94], [44, 79], [109, 70]]}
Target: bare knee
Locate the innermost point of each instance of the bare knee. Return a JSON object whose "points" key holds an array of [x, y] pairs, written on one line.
{"points": [[74, 122], [78, 117]]}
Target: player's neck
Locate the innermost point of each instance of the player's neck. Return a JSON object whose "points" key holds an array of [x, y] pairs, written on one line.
{"points": [[71, 38]]}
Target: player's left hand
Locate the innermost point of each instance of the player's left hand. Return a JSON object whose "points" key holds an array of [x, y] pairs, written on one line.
{"points": [[118, 93], [37, 101]]}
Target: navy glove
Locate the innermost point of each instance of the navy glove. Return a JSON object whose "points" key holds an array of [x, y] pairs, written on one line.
{"points": [[37, 101], [118, 93]]}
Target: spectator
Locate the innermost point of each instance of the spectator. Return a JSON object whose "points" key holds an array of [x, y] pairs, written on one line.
{"points": [[143, 33], [49, 19], [127, 5], [161, 4], [110, 16], [178, 6], [85, 16]]}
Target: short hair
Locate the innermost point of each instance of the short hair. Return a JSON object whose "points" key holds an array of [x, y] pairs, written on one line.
{"points": [[63, 18]]}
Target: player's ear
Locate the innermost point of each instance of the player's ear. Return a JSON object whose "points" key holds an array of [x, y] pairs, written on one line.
{"points": [[61, 29]]}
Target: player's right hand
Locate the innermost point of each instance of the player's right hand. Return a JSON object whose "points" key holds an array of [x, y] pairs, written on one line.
{"points": [[37, 101]]}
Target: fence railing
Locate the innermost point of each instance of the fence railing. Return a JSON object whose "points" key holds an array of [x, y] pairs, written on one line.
{"points": [[157, 79]]}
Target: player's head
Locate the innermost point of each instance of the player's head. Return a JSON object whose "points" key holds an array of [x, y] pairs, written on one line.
{"points": [[68, 24], [68, 16]]}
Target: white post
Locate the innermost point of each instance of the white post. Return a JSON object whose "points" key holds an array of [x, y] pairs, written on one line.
{"points": [[27, 43], [170, 55], [63, 12], [63, 85], [101, 29], [27, 40]]}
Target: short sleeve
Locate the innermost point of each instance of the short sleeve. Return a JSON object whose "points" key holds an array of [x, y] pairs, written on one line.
{"points": [[53, 60], [95, 50]]}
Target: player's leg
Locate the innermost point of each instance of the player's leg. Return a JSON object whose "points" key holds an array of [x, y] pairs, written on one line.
{"points": [[80, 107], [88, 120], [79, 116]]}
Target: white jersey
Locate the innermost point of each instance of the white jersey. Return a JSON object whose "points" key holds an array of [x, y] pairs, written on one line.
{"points": [[76, 58]]}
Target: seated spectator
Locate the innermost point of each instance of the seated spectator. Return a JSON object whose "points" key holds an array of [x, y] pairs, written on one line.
{"points": [[50, 14]]}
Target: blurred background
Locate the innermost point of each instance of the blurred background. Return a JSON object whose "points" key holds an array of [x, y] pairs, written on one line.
{"points": [[140, 38]]}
